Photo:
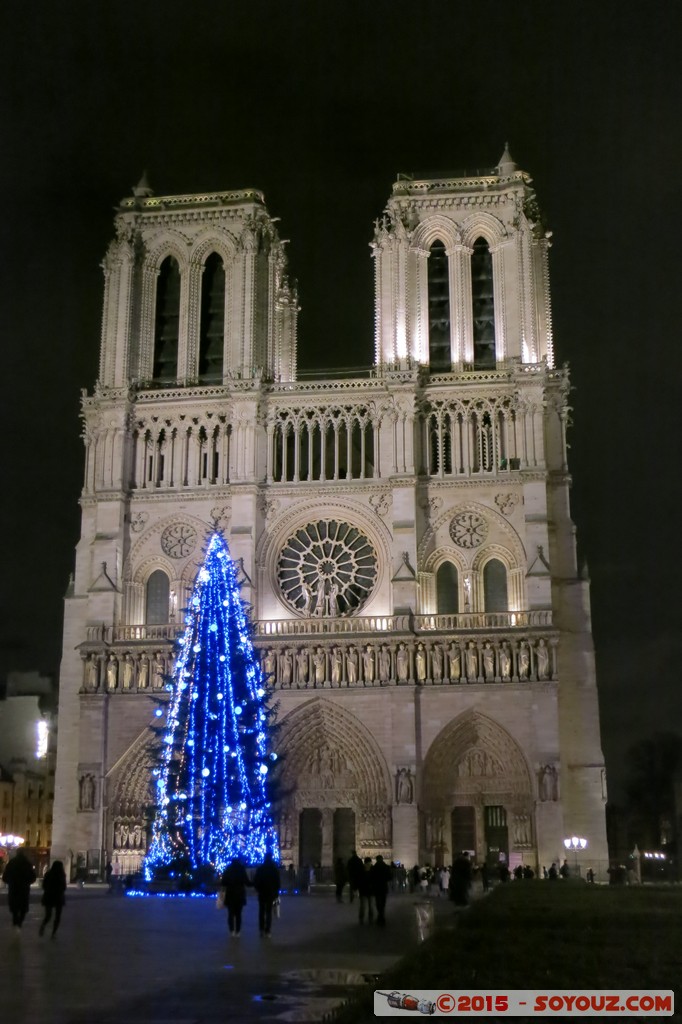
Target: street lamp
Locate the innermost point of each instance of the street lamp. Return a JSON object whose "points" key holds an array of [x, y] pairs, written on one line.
{"points": [[575, 843], [9, 841]]}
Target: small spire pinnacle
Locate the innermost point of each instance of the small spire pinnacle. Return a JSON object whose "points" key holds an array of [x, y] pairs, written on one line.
{"points": [[143, 189], [506, 165]]}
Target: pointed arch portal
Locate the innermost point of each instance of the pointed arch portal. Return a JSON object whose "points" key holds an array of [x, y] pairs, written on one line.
{"points": [[477, 793], [336, 787]]}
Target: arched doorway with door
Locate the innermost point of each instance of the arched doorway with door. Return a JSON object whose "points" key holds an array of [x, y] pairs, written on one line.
{"points": [[477, 795], [335, 786]]}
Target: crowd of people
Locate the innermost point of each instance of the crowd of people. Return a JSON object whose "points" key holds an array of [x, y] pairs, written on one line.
{"points": [[370, 880]]}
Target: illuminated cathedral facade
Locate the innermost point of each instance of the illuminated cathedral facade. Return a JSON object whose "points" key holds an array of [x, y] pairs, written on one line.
{"points": [[403, 535]]}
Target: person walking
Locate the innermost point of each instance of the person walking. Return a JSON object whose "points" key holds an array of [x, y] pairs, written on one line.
{"points": [[233, 882], [365, 892], [18, 876], [54, 896], [485, 877], [266, 884], [380, 877], [354, 869], [460, 879], [340, 878]]}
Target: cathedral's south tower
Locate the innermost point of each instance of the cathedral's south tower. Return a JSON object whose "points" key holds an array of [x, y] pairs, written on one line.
{"points": [[404, 535]]}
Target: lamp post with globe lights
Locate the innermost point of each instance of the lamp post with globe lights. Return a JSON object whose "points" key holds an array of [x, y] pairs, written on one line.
{"points": [[575, 843]]}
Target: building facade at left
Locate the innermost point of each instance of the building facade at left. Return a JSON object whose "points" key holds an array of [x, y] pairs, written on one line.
{"points": [[28, 723]]}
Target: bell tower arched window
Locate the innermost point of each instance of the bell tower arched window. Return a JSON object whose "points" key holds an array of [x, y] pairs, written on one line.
{"points": [[495, 586], [447, 589], [439, 308], [167, 325], [212, 329], [157, 607], [483, 305]]}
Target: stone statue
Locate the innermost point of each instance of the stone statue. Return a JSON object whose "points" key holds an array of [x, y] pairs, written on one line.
{"points": [[302, 666], [285, 830], [92, 672], [143, 672], [368, 664], [320, 666], [112, 673], [270, 666], [287, 667], [319, 599], [327, 769], [404, 786], [549, 783], [402, 663], [87, 793], [384, 664], [437, 663], [420, 663], [505, 662], [158, 671], [127, 672], [524, 660], [522, 836], [307, 598], [333, 600], [352, 662], [488, 661], [472, 662], [454, 663], [337, 664], [542, 660]]}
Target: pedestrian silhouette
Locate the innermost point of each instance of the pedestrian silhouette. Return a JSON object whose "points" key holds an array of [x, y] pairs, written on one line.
{"points": [[18, 876], [54, 895], [266, 884]]}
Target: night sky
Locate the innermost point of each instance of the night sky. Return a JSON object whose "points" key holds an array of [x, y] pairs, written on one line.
{"points": [[320, 104]]}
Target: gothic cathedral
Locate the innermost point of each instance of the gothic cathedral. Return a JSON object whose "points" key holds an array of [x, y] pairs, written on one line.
{"points": [[403, 535]]}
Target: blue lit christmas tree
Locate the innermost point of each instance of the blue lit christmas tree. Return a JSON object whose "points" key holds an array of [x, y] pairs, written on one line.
{"points": [[211, 780]]}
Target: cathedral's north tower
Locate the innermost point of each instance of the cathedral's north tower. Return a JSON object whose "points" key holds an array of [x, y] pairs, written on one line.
{"points": [[404, 535]]}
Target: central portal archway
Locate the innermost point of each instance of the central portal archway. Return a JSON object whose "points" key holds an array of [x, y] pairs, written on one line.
{"points": [[336, 784]]}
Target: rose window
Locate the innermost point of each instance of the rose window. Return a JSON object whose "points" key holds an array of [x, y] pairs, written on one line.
{"points": [[327, 568], [468, 529]]}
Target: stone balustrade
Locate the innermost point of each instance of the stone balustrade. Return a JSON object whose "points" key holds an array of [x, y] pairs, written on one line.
{"points": [[320, 626]]}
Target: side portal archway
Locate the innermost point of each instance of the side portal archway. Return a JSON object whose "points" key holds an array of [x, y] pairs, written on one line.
{"points": [[477, 795]]}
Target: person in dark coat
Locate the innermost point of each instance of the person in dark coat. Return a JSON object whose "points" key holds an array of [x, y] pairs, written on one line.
{"points": [[233, 882], [485, 877], [266, 884], [355, 869], [54, 895], [460, 880], [18, 876], [365, 891], [380, 877], [340, 878]]}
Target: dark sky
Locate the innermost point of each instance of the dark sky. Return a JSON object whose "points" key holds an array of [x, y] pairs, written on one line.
{"points": [[320, 103]]}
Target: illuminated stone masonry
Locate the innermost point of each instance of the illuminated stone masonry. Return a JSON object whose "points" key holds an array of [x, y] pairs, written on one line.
{"points": [[403, 535]]}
